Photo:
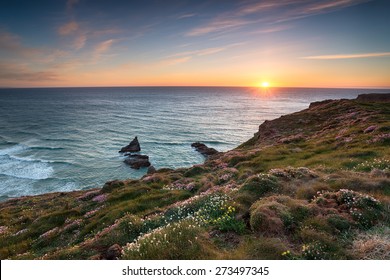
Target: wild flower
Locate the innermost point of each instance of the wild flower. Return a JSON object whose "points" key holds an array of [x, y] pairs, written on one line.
{"points": [[314, 251], [49, 233], [364, 209], [3, 229], [89, 195], [169, 242], [378, 163], [92, 212], [180, 186], [71, 225], [382, 137], [21, 231], [100, 198]]}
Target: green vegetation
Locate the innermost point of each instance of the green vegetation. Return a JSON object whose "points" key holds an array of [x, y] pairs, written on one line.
{"points": [[311, 185]]}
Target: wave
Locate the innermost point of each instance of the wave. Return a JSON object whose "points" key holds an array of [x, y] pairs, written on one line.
{"points": [[26, 170], [23, 167], [45, 148], [13, 150], [17, 148], [61, 140], [29, 159]]}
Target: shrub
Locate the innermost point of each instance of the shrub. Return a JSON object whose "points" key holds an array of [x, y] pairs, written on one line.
{"points": [[364, 209], [339, 223], [367, 166], [265, 248], [315, 251], [193, 171], [259, 185], [275, 214], [266, 218], [227, 221], [176, 241], [111, 185], [373, 244]]}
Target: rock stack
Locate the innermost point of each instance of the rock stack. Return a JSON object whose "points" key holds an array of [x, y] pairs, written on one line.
{"points": [[203, 149], [136, 161], [133, 147]]}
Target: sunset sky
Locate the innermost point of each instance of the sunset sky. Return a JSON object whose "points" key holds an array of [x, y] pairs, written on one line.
{"points": [[297, 43]]}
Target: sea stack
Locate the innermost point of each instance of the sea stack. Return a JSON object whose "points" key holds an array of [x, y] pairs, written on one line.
{"points": [[203, 149], [133, 147], [137, 161]]}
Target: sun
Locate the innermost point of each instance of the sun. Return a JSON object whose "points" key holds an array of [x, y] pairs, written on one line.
{"points": [[264, 84]]}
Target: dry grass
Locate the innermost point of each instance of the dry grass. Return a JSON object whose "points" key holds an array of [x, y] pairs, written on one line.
{"points": [[372, 245]]}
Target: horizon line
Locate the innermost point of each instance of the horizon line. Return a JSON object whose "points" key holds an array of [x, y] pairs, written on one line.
{"points": [[192, 86]]}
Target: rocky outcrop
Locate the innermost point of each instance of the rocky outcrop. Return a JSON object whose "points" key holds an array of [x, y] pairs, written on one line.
{"points": [[203, 149], [374, 97], [151, 170], [133, 147], [137, 161], [114, 252]]}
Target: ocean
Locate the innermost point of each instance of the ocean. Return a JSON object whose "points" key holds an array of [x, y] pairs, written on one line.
{"points": [[64, 139]]}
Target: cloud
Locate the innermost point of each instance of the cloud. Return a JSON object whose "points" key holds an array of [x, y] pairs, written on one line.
{"points": [[269, 12], [347, 56], [104, 32], [182, 57], [186, 16], [272, 29], [218, 25], [262, 6], [103, 46], [21, 72], [200, 52], [324, 6], [70, 4], [80, 41], [175, 61], [11, 44], [100, 49], [68, 28]]}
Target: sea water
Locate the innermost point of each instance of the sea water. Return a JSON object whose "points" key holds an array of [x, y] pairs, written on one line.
{"points": [[63, 139]]}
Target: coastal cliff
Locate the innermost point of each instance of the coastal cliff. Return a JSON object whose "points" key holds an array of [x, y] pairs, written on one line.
{"points": [[310, 185]]}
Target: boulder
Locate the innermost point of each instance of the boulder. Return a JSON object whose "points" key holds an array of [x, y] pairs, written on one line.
{"points": [[114, 252], [374, 97], [137, 161], [203, 149], [151, 169], [133, 147], [370, 129]]}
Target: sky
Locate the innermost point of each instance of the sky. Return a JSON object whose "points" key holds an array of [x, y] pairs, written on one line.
{"points": [[287, 43]]}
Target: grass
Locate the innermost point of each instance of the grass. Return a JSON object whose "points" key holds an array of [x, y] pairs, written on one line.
{"points": [[310, 185]]}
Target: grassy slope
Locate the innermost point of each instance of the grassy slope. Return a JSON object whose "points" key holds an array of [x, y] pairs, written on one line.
{"points": [[275, 196]]}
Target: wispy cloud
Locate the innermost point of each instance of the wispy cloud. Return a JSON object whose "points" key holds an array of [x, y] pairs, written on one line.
{"points": [[272, 29], [182, 57], [70, 4], [347, 56], [11, 44], [68, 28], [22, 72], [324, 6], [175, 61], [100, 49], [186, 16], [262, 6], [218, 25], [200, 52], [80, 41], [269, 12], [103, 46], [104, 32]]}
